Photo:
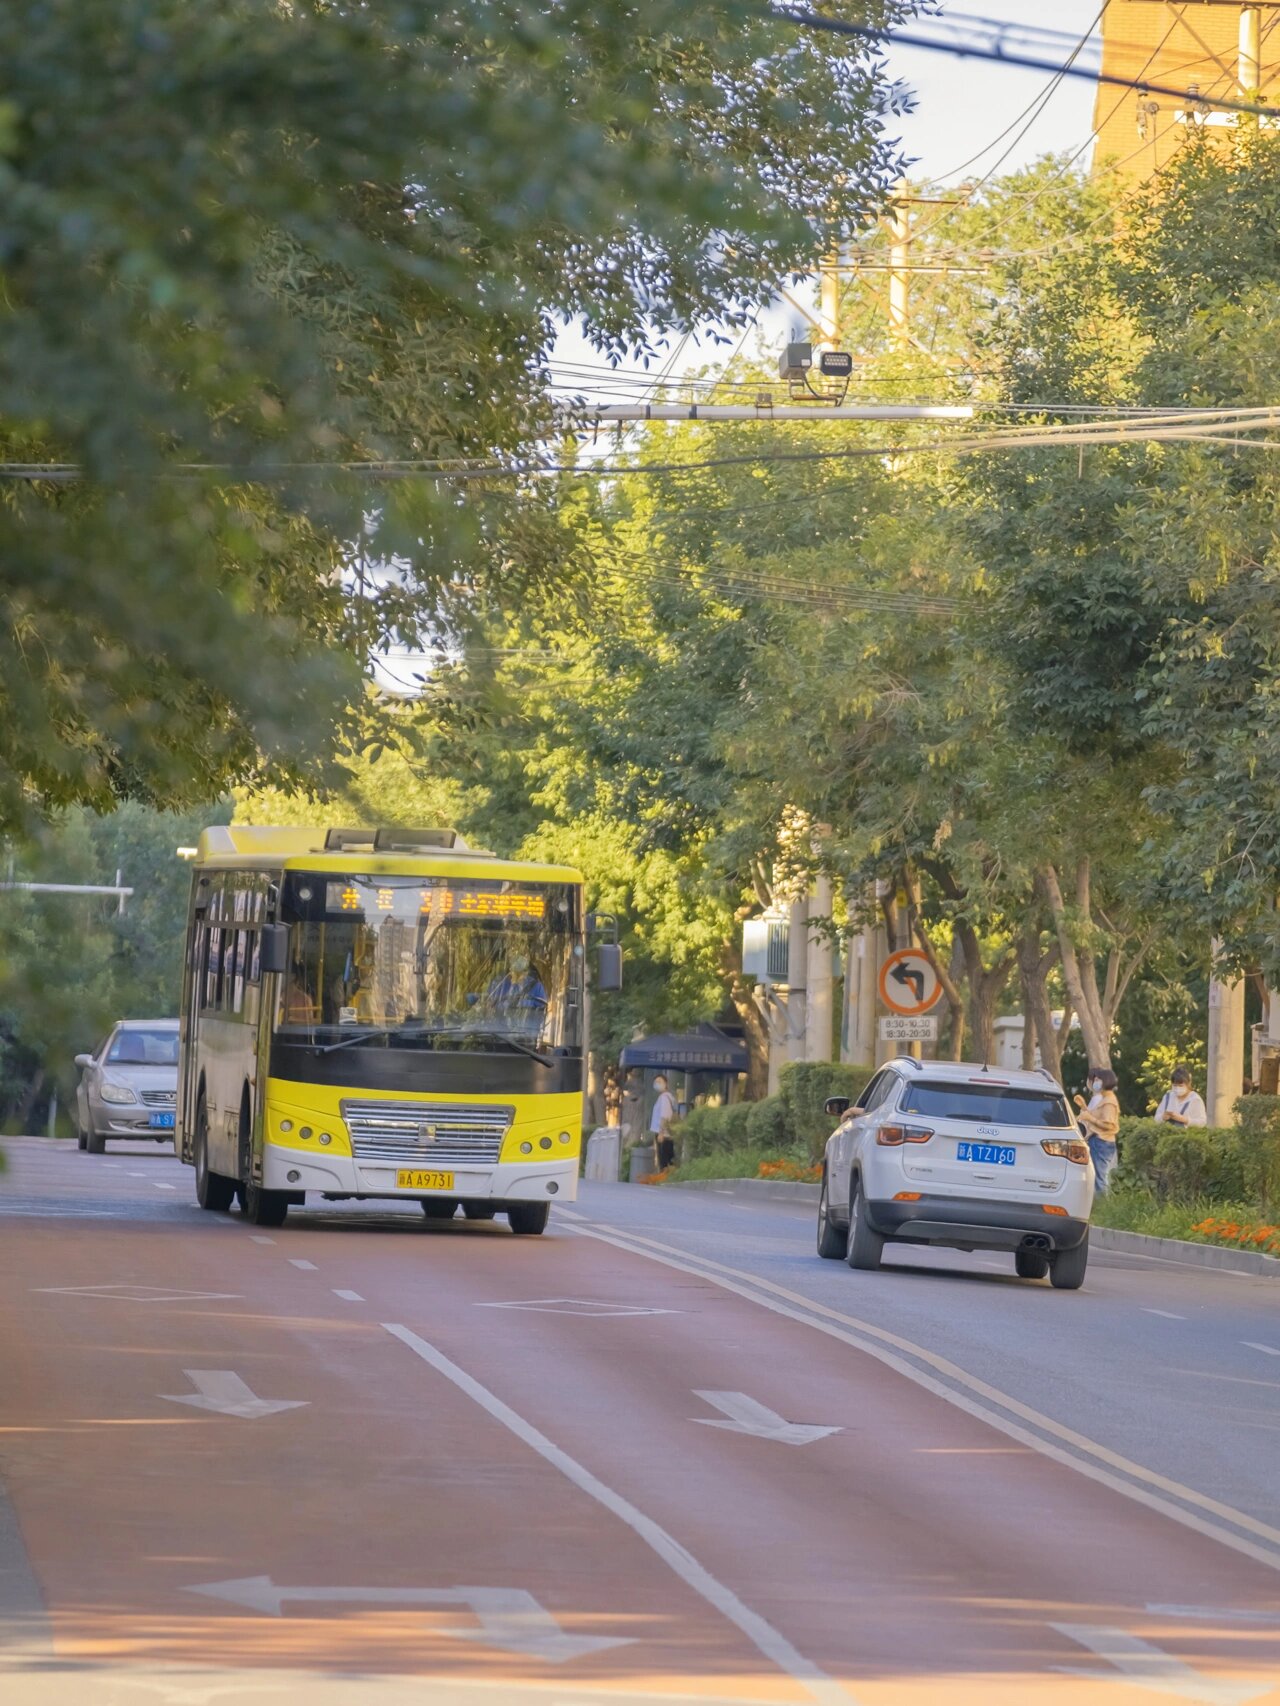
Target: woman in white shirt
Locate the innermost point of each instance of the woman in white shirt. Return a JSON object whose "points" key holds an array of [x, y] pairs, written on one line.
{"points": [[1180, 1105]]}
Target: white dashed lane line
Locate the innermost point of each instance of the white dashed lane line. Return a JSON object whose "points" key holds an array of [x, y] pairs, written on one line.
{"points": [[1166, 1313], [1267, 1350], [297, 1262], [161, 1187], [349, 1296], [260, 1238]]}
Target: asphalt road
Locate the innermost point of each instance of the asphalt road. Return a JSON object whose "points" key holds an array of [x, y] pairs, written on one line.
{"points": [[660, 1454]]}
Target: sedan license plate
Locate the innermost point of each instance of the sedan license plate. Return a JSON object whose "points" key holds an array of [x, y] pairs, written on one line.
{"points": [[161, 1122], [417, 1180], [988, 1154]]}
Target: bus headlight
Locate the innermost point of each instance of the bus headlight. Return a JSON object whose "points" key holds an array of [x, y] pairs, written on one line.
{"points": [[526, 1149], [565, 1138], [544, 1143]]}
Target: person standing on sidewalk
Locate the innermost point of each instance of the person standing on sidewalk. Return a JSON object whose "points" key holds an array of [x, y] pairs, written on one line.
{"points": [[1180, 1105], [664, 1109], [1100, 1122]]}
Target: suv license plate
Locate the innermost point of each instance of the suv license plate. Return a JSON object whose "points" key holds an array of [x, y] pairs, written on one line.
{"points": [[988, 1154], [424, 1181], [161, 1122]]}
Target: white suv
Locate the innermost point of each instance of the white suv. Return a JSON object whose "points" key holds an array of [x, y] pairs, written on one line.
{"points": [[937, 1152]]}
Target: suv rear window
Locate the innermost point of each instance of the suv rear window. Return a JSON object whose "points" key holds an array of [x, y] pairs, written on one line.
{"points": [[995, 1104]]}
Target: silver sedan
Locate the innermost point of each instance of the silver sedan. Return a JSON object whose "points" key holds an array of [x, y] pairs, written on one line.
{"points": [[129, 1087]]}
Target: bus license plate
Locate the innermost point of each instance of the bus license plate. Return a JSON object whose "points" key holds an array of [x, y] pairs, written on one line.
{"points": [[161, 1122], [423, 1181], [988, 1154]]}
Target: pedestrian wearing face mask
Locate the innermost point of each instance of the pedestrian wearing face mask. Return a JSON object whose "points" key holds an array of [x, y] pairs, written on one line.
{"points": [[1100, 1121], [1180, 1105]]}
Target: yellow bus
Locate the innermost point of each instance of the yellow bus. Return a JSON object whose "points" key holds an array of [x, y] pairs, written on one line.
{"points": [[382, 1013]]}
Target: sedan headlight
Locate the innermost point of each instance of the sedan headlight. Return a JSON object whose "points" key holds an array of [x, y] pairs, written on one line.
{"points": [[1069, 1148], [117, 1093]]}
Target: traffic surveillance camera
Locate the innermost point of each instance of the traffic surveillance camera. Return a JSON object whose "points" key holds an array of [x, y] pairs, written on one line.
{"points": [[795, 361], [835, 363]]}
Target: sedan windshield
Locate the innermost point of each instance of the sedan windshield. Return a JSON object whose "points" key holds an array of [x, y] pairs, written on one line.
{"points": [[144, 1048], [994, 1104], [432, 962]]}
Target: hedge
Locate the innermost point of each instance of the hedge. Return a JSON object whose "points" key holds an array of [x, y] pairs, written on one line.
{"points": [[1184, 1164], [793, 1119], [804, 1085]]}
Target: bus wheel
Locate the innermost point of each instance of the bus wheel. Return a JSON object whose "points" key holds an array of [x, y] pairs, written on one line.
{"points": [[439, 1208], [529, 1217], [263, 1208], [479, 1210], [213, 1191]]}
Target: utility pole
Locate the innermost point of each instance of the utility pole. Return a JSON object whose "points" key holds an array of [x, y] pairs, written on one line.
{"points": [[1249, 62]]}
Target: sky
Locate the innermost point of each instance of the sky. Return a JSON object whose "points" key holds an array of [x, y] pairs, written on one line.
{"points": [[961, 106]]}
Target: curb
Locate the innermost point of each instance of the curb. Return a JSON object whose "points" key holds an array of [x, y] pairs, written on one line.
{"points": [[1247, 1263]]}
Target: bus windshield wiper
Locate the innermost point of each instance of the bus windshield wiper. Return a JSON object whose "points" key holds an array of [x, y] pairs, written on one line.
{"points": [[366, 1033], [496, 1037]]}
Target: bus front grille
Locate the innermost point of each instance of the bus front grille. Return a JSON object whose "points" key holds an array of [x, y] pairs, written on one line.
{"points": [[426, 1134]]}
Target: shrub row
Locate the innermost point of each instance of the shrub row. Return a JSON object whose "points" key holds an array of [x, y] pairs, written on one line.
{"points": [[793, 1119], [1184, 1164]]}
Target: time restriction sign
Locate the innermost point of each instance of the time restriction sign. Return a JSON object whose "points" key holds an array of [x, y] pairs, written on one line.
{"points": [[908, 983]]}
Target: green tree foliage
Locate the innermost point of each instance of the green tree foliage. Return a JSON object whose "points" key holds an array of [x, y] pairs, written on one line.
{"points": [[70, 965], [243, 243]]}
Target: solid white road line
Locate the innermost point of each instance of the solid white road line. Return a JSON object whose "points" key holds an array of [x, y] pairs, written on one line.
{"points": [[1131, 1479], [763, 1636], [1267, 1350], [297, 1262], [1166, 1313], [348, 1296]]}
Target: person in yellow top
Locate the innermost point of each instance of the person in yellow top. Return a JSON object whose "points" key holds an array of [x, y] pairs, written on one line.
{"points": [[1100, 1122]]}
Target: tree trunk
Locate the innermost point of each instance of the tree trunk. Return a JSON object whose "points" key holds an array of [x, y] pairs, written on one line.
{"points": [[755, 1027], [1078, 970], [1033, 974], [985, 985], [28, 1099], [595, 1089]]}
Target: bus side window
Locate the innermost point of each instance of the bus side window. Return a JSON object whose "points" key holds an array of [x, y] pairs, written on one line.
{"points": [[213, 968], [255, 957], [242, 954]]}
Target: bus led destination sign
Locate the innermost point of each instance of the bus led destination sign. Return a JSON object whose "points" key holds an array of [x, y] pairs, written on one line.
{"points": [[352, 897]]}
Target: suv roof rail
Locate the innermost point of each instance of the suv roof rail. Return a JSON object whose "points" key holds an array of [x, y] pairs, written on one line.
{"points": [[1045, 1073], [909, 1060]]}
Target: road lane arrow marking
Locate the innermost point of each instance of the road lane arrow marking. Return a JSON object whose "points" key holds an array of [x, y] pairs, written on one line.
{"points": [[508, 1618], [746, 1416], [1145, 1666], [225, 1394]]}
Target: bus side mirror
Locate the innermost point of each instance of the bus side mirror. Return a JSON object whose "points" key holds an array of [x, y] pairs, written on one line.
{"points": [[609, 967], [275, 947]]}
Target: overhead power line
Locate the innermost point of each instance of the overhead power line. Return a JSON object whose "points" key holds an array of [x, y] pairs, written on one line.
{"points": [[1027, 61]]}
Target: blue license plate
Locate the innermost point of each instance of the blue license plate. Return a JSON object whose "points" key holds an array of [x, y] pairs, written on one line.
{"points": [[161, 1122], [989, 1154]]}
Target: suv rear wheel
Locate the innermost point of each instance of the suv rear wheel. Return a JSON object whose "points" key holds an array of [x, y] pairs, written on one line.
{"points": [[1066, 1270], [1030, 1264], [864, 1247]]}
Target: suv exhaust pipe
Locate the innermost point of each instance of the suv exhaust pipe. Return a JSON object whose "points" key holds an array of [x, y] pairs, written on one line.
{"points": [[1038, 1242]]}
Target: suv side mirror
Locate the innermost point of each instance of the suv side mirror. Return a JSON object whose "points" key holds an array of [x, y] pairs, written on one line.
{"points": [[836, 1106], [609, 967], [275, 947]]}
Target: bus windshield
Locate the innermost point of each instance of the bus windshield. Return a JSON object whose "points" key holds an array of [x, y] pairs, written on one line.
{"points": [[432, 962]]}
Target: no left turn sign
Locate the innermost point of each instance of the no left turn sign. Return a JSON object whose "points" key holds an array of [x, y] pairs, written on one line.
{"points": [[908, 983]]}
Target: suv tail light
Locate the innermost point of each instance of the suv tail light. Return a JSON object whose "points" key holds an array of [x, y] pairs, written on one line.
{"points": [[892, 1135], [1069, 1148]]}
